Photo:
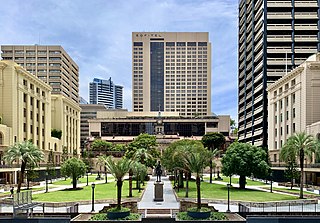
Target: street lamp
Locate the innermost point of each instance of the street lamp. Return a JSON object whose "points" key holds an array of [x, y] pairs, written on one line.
{"points": [[271, 182], [46, 182], [92, 186], [106, 174], [87, 179], [228, 210]]}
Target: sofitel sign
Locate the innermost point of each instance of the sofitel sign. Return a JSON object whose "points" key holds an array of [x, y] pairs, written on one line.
{"points": [[148, 34]]}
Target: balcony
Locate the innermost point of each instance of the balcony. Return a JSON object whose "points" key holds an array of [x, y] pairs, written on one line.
{"points": [[308, 50], [258, 77], [276, 61], [278, 4], [305, 27], [305, 4], [306, 15], [275, 72], [283, 50], [279, 15], [282, 38], [279, 27], [306, 38], [258, 67]]}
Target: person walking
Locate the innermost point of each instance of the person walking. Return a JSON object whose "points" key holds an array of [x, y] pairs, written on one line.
{"points": [[11, 191]]}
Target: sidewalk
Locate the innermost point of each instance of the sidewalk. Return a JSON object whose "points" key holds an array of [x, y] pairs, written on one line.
{"points": [[170, 201]]}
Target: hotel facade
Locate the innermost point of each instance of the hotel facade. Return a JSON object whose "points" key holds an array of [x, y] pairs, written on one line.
{"points": [[171, 72]]}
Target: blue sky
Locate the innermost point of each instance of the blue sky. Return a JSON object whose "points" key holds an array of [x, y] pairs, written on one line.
{"points": [[97, 35]]}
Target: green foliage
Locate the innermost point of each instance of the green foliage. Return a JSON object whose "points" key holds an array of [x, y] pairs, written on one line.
{"points": [[101, 145], [245, 160], [203, 209], [213, 216], [171, 156], [73, 168], [64, 154], [115, 209], [118, 147], [103, 217], [299, 146], [27, 154], [56, 133], [148, 143], [213, 140]]}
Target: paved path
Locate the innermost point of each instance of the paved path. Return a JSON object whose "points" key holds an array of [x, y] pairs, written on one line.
{"points": [[170, 201]]}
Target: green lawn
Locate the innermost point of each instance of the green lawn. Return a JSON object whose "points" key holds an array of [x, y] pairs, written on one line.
{"points": [[91, 179], [294, 191], [217, 191], [102, 191], [235, 180]]}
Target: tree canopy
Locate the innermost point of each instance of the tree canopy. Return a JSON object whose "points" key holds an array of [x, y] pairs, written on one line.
{"points": [[148, 143], [245, 160], [73, 168], [56, 133], [213, 140], [101, 145], [27, 154]]}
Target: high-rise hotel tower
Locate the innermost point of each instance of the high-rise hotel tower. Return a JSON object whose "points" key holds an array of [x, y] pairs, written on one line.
{"points": [[172, 72], [274, 38]]}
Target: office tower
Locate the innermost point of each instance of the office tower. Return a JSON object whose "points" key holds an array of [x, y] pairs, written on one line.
{"points": [[50, 63], [105, 92], [171, 72], [274, 38]]}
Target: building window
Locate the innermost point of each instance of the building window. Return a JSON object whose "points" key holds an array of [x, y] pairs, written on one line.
{"points": [[287, 115], [293, 127], [274, 157], [293, 113], [275, 132], [293, 98], [275, 145], [287, 129], [293, 82], [281, 131]]}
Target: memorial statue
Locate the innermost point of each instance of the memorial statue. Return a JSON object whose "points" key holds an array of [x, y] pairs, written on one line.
{"points": [[158, 172]]}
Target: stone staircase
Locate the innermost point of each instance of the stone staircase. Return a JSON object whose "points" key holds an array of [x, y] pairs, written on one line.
{"points": [[158, 213]]}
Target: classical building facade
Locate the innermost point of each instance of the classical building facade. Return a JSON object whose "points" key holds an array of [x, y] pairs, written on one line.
{"points": [[171, 72], [52, 64], [105, 92], [293, 106], [274, 37]]}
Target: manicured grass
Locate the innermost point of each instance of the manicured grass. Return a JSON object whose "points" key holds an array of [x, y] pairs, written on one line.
{"points": [[294, 191], [91, 179], [102, 191], [235, 180], [217, 191]]}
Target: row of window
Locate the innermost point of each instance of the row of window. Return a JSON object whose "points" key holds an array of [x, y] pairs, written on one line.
{"points": [[286, 87]]}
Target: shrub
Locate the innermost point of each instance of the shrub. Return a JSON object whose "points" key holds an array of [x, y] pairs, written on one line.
{"points": [[213, 216]]}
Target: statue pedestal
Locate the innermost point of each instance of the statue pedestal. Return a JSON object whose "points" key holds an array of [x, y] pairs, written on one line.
{"points": [[158, 191]]}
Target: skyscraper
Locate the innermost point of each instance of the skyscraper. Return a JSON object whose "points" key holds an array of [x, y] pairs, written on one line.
{"points": [[171, 72], [51, 64], [274, 37], [105, 92]]}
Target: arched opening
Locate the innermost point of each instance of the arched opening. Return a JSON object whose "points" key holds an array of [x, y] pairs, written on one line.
{"points": [[1, 138]]}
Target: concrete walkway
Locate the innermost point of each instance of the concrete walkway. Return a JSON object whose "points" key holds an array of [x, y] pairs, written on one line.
{"points": [[170, 201]]}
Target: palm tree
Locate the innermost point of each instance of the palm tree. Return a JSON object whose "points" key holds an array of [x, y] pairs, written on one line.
{"points": [[300, 145], [25, 153], [118, 170], [142, 155], [196, 162]]}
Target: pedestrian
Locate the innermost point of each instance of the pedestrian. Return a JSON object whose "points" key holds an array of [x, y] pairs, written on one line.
{"points": [[11, 191]]}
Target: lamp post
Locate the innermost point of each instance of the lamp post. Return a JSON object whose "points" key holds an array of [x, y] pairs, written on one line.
{"points": [[87, 179], [92, 186], [46, 182], [228, 210], [271, 182], [106, 174]]}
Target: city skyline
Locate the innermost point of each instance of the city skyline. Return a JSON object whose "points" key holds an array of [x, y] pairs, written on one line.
{"points": [[101, 43]]}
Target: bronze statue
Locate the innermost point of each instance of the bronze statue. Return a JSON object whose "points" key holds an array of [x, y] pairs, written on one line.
{"points": [[158, 172]]}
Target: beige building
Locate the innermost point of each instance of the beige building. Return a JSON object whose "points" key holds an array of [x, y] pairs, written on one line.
{"points": [[171, 72], [29, 111], [293, 105], [51, 64]]}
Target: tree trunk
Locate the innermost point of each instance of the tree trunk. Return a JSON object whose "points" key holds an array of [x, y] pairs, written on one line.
{"points": [[21, 175], [242, 182], [198, 192], [74, 182], [302, 174], [187, 184], [119, 189], [130, 183], [211, 171], [180, 179], [291, 183], [137, 181]]}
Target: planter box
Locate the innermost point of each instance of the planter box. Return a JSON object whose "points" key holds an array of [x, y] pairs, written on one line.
{"points": [[115, 215], [199, 215], [84, 218]]}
